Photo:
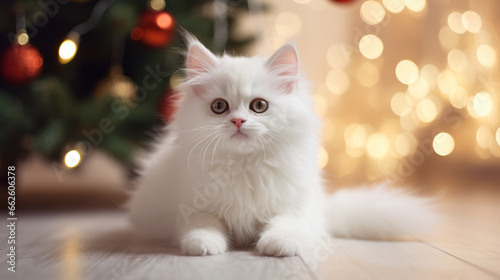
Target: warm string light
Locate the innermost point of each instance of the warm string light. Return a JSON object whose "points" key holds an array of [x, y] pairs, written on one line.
{"points": [[69, 47], [72, 159]]}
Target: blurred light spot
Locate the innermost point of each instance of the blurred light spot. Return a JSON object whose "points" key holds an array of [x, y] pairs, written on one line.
{"points": [[415, 5], [419, 89], [337, 81], [498, 136], [471, 21], [458, 97], [355, 135], [164, 21], [22, 38], [448, 38], [407, 72], [457, 60], [399, 104], [406, 144], [67, 51], [394, 6], [377, 145], [157, 5], [72, 159], [368, 74], [175, 81], [409, 122], [323, 158], [429, 73], [482, 104], [427, 110], [455, 23], [372, 12], [484, 136], [443, 144], [288, 24], [447, 81], [371, 46], [486, 55], [338, 56]]}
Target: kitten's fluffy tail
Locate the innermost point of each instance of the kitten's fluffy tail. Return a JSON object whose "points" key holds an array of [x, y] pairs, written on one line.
{"points": [[379, 213]]}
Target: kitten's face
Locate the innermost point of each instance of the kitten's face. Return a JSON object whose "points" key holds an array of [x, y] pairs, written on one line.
{"points": [[242, 105]]}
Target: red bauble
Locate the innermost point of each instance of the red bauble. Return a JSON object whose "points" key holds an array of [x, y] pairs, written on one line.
{"points": [[169, 105], [155, 29], [21, 64]]}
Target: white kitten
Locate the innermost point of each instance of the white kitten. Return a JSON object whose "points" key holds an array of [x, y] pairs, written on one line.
{"points": [[238, 166]]}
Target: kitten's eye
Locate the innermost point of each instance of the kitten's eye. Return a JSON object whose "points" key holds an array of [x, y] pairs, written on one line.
{"points": [[259, 105], [219, 106]]}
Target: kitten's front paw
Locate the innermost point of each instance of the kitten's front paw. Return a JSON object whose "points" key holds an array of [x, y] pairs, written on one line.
{"points": [[202, 242], [278, 245]]}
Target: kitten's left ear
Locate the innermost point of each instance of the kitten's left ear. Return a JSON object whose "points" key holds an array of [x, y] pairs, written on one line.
{"points": [[285, 64]]}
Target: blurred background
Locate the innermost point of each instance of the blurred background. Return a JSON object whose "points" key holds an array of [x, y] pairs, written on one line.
{"points": [[407, 89]]}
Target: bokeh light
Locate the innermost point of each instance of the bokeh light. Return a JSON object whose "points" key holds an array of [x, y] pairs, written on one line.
{"points": [[458, 97], [486, 55], [419, 89], [482, 104], [371, 46], [377, 145], [457, 60], [394, 6], [405, 144], [288, 24], [427, 110], [372, 12], [472, 21], [455, 22], [407, 71], [72, 159], [399, 104], [443, 144], [415, 5], [67, 51], [447, 81]]}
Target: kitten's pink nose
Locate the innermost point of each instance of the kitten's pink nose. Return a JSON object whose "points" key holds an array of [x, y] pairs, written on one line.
{"points": [[238, 122]]}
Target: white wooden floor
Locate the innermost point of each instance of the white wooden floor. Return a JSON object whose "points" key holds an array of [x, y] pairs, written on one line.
{"points": [[91, 245]]}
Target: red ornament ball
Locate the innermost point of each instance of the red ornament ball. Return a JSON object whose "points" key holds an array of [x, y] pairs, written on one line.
{"points": [[170, 105], [155, 29], [21, 64]]}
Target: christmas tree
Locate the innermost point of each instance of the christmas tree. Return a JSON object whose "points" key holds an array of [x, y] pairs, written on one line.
{"points": [[84, 75]]}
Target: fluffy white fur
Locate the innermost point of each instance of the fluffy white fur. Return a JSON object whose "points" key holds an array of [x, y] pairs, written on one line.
{"points": [[207, 188]]}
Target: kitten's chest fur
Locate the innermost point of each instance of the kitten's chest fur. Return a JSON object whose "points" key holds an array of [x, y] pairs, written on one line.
{"points": [[245, 192]]}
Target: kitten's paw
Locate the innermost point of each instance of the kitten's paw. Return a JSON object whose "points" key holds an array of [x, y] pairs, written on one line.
{"points": [[203, 242], [278, 245]]}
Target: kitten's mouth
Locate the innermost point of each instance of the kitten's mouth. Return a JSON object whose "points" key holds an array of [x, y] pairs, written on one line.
{"points": [[239, 134]]}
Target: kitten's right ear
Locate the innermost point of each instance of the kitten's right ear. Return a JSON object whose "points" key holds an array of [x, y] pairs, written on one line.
{"points": [[199, 59]]}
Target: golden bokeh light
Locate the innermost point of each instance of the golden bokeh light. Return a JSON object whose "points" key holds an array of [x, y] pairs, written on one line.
{"points": [[497, 136], [429, 73], [377, 145], [67, 51], [419, 89], [355, 135], [457, 60], [484, 136], [486, 55], [371, 46], [72, 159], [405, 144], [447, 81], [372, 12], [443, 144], [415, 5], [288, 24], [481, 105], [407, 71], [427, 110], [323, 158], [157, 5], [455, 22], [471, 21], [338, 56], [368, 74], [394, 6], [22, 38], [337, 81], [448, 38], [458, 97], [399, 104]]}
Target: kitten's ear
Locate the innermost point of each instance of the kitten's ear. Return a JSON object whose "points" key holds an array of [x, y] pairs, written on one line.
{"points": [[285, 65], [199, 59]]}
